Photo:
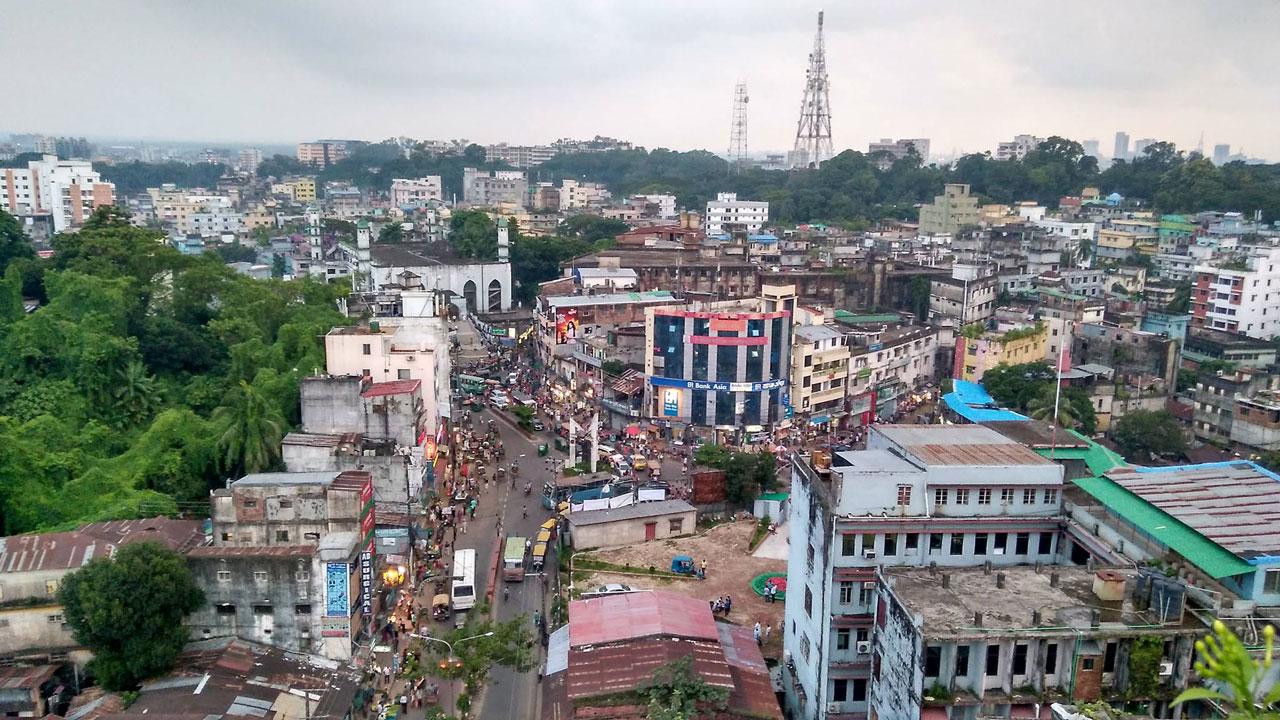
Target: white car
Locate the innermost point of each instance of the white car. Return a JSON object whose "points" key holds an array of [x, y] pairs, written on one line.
{"points": [[613, 588]]}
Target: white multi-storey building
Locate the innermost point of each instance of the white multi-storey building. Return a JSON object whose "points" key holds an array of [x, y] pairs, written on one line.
{"points": [[66, 190], [728, 210], [577, 195], [1018, 147], [666, 204], [248, 159], [1244, 300], [919, 495], [416, 193]]}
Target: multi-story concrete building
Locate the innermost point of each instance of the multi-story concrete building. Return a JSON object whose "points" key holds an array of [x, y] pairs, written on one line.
{"points": [[1203, 345], [953, 209], [1137, 356], [969, 644], [721, 368], [1123, 239], [964, 298], [32, 568], [521, 156], [1120, 150], [819, 370], [664, 204], [1216, 401], [897, 149], [68, 191], [918, 496], [248, 160], [416, 193], [1018, 147], [499, 188], [414, 349], [575, 195], [979, 352], [292, 562], [727, 213], [323, 153], [1242, 296], [886, 362], [679, 270]]}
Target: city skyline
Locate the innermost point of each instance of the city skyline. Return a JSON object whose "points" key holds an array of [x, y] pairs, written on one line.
{"points": [[276, 74]]}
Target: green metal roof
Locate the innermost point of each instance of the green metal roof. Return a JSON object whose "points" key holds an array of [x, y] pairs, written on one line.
{"points": [[1098, 458], [775, 497], [1205, 554], [845, 316]]}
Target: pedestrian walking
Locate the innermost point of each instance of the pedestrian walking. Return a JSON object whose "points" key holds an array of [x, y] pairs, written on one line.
{"points": [[767, 629], [404, 704], [704, 567], [464, 526], [756, 633], [728, 605]]}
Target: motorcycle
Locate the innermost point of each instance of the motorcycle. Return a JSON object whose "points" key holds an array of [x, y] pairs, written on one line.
{"points": [[528, 488]]}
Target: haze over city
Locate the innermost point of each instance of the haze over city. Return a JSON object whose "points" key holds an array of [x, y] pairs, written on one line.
{"points": [[660, 74]]}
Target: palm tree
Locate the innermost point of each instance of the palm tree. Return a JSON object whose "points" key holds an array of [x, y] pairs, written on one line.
{"points": [[251, 431], [135, 395], [1041, 408]]}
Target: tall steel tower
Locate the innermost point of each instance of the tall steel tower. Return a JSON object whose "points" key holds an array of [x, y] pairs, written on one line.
{"points": [[738, 130], [813, 133]]}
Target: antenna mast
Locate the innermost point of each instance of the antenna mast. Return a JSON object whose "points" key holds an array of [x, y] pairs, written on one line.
{"points": [[738, 129], [813, 133]]}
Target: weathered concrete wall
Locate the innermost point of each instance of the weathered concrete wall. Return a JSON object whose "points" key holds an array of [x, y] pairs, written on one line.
{"points": [[627, 532], [272, 600]]}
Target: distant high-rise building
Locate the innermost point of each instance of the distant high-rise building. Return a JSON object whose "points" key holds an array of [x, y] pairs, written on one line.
{"points": [[1091, 148], [249, 159], [1221, 154], [1121, 151], [1018, 147], [898, 149], [322, 153], [1140, 146], [521, 156], [66, 190]]}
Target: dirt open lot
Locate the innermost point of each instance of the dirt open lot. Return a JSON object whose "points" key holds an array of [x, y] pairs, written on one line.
{"points": [[730, 569]]}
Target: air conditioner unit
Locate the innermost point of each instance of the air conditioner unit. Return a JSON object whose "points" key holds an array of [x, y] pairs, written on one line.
{"points": [[1166, 669], [869, 585], [869, 554], [864, 647], [833, 708]]}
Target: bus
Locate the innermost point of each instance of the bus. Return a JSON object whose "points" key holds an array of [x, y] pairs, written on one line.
{"points": [[589, 486], [464, 579], [470, 384], [513, 560]]}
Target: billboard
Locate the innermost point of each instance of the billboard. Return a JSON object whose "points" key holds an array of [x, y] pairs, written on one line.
{"points": [[671, 402], [366, 582], [337, 601], [566, 325]]}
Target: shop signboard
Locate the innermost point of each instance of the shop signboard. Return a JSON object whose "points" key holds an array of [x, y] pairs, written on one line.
{"points": [[337, 584], [566, 325]]}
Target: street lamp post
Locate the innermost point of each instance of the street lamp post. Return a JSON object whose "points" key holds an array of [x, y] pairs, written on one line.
{"points": [[451, 656]]}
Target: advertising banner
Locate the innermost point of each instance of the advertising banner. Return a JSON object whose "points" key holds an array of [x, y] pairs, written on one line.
{"points": [[366, 582], [335, 627], [717, 386], [337, 600], [671, 402], [566, 325]]}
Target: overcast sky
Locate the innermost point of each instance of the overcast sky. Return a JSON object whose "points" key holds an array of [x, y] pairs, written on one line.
{"points": [[659, 73]]}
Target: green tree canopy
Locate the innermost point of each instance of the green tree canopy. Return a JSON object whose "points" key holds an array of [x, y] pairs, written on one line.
{"points": [[472, 234], [129, 611], [1144, 435], [678, 692]]}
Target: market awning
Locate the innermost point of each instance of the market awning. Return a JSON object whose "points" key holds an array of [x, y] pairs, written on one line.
{"points": [[633, 430], [819, 419]]}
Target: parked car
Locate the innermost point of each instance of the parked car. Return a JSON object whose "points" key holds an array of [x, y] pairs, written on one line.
{"points": [[614, 588], [639, 462], [539, 425]]}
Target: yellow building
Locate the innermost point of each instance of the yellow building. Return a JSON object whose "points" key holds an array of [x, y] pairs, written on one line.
{"points": [[977, 353], [304, 189]]}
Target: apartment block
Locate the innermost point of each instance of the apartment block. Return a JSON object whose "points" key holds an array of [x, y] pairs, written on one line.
{"points": [[727, 214], [521, 156], [322, 153], [416, 193], [68, 191], [496, 188], [1018, 147], [919, 496], [1242, 296], [953, 209]]}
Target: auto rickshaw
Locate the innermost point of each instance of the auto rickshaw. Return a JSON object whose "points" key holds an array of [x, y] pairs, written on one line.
{"points": [[539, 555], [683, 565], [544, 536], [549, 526], [499, 473], [543, 450], [441, 608]]}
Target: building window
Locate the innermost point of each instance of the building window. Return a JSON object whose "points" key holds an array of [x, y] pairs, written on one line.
{"points": [[1046, 543], [993, 660], [302, 576], [1051, 496], [839, 690], [1006, 496], [1109, 657], [676, 526], [226, 537], [1051, 658], [890, 544], [1086, 663], [848, 544], [282, 536], [904, 495], [51, 587], [846, 592], [962, 497], [940, 497], [842, 639], [932, 661], [804, 647], [259, 576], [366, 349], [1000, 543], [859, 690], [935, 543], [980, 544], [1028, 497], [303, 609], [261, 609], [225, 609], [286, 504], [55, 618], [962, 661], [1020, 659], [224, 576], [251, 503], [864, 595], [1021, 543], [913, 542], [984, 496], [808, 602], [957, 543]]}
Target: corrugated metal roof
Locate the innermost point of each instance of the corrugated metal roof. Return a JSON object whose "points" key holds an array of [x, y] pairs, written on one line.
{"points": [[629, 512], [959, 445], [752, 691], [611, 669], [71, 550], [1207, 555], [1209, 498], [628, 616], [816, 333], [391, 387]]}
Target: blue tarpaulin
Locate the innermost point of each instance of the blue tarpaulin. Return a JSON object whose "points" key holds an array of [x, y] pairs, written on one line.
{"points": [[972, 402]]}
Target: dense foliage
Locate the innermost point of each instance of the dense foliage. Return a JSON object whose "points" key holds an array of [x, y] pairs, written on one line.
{"points": [[678, 692], [128, 609], [746, 474], [1144, 435], [135, 177], [1029, 388], [146, 378], [373, 166]]}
